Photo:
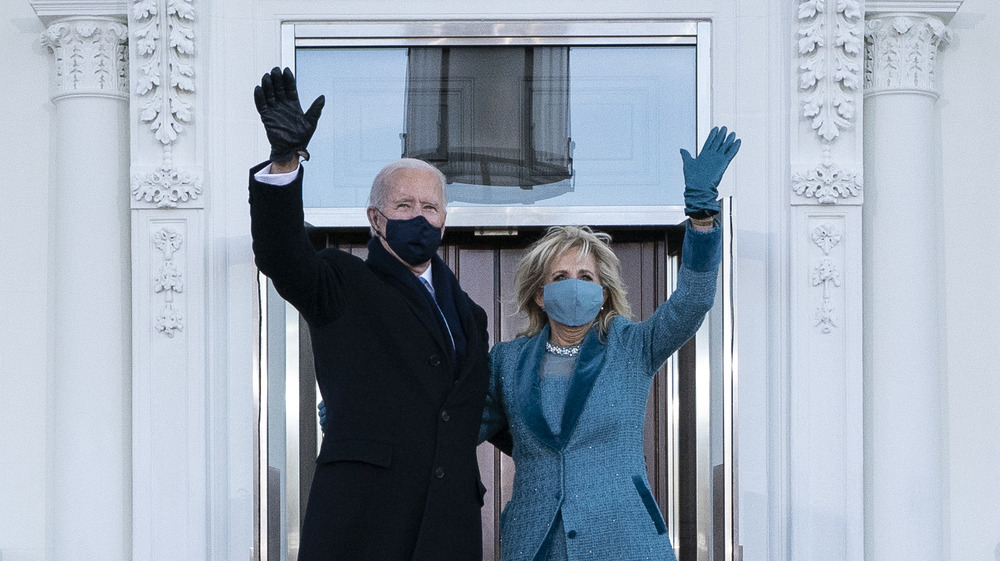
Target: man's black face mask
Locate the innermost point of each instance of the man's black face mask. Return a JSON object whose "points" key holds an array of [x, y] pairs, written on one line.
{"points": [[414, 240]]}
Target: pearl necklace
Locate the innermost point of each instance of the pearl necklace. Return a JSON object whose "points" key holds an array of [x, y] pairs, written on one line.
{"points": [[562, 351]]}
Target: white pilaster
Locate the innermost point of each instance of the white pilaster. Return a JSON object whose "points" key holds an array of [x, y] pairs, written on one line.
{"points": [[903, 364], [89, 509], [826, 505], [169, 265]]}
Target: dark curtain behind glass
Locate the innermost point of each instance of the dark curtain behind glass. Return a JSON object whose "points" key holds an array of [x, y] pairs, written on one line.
{"points": [[495, 116]]}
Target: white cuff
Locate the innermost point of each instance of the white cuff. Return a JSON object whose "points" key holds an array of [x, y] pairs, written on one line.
{"points": [[277, 179]]}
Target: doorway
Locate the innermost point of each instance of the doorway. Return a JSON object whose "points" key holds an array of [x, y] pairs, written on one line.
{"points": [[484, 261]]}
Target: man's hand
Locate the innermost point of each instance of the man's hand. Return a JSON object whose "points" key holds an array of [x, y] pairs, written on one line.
{"points": [[288, 128], [703, 174]]}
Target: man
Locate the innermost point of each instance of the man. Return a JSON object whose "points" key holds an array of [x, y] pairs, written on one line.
{"points": [[402, 370]]}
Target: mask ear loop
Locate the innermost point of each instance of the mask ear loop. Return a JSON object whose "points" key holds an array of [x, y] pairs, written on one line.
{"points": [[377, 233]]}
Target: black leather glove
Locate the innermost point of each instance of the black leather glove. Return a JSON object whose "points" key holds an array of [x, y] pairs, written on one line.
{"points": [[288, 129]]}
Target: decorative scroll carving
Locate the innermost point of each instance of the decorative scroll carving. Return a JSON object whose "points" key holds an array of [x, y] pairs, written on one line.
{"points": [[91, 57], [900, 51], [831, 48], [166, 187], [827, 183], [169, 280], [164, 38]]}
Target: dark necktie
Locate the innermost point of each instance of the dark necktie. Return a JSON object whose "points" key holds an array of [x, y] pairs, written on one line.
{"points": [[430, 289]]}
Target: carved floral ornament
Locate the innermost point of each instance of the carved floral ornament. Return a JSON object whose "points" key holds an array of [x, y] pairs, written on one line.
{"points": [[826, 274], [163, 33], [827, 183], [163, 38], [168, 280], [831, 50], [166, 186], [900, 51], [91, 57]]}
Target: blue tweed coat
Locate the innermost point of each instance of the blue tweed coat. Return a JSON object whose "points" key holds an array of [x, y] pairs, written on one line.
{"points": [[594, 470]]}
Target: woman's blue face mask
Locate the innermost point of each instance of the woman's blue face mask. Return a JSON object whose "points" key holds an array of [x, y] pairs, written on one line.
{"points": [[573, 302]]}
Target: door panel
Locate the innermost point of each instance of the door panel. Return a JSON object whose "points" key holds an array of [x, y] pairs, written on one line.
{"points": [[484, 265]]}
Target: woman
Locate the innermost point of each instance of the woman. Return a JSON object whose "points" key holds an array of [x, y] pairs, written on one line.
{"points": [[571, 390]]}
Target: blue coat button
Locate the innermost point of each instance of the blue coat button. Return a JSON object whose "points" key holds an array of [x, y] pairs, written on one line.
{"points": [[571, 534]]}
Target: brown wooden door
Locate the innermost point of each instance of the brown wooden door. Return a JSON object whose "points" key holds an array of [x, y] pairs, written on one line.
{"points": [[484, 265]]}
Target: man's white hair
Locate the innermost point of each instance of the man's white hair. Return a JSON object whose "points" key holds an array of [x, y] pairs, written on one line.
{"points": [[378, 194]]}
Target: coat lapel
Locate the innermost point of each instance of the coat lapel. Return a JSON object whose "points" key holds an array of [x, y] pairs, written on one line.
{"points": [[529, 363], [588, 366], [417, 298]]}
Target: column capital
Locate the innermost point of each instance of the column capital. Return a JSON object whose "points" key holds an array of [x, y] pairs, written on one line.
{"points": [[51, 10], [941, 9], [901, 52], [91, 56]]}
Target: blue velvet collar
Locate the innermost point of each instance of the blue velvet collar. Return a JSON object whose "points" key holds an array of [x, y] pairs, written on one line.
{"points": [[588, 366]]}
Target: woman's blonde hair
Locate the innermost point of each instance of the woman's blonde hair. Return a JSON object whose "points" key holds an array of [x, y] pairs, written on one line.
{"points": [[529, 277]]}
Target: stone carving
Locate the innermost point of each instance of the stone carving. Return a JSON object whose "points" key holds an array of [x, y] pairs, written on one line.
{"points": [[826, 274], [831, 50], [826, 236], [900, 51], [163, 34], [166, 187], [827, 183], [164, 39], [91, 57], [169, 280]]}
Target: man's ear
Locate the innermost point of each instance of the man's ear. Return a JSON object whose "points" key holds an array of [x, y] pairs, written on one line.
{"points": [[373, 218]]}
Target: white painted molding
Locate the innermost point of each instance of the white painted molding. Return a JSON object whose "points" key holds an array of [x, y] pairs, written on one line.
{"points": [[163, 32], [830, 65], [827, 183], [165, 187], [162, 36], [944, 9], [91, 57], [901, 51], [169, 443], [825, 385], [830, 62], [169, 280], [826, 236], [51, 10]]}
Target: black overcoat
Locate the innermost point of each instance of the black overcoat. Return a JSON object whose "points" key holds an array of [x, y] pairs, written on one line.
{"points": [[397, 476]]}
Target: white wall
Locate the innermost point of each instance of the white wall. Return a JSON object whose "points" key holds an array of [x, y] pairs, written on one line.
{"points": [[970, 115], [24, 254]]}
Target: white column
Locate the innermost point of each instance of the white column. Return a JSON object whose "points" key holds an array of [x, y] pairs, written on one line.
{"points": [[90, 496], [903, 433]]}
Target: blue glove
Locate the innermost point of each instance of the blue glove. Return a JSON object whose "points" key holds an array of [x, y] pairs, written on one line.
{"points": [[703, 174], [321, 410]]}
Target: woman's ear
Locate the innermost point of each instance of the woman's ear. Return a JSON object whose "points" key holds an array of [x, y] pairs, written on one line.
{"points": [[540, 298]]}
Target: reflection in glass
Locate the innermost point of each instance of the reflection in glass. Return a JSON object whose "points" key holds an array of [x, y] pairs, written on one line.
{"points": [[489, 116], [630, 110]]}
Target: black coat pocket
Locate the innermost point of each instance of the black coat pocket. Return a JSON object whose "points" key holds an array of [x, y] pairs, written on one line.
{"points": [[356, 450]]}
